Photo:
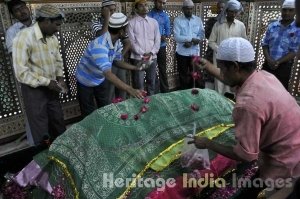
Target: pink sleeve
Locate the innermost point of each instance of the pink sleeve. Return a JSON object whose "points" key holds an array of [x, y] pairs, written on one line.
{"points": [[132, 37], [248, 126]]}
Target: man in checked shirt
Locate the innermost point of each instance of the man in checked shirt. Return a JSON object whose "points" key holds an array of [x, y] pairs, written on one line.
{"points": [[38, 67]]}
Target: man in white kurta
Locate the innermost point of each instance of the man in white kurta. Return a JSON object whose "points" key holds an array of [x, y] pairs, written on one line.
{"points": [[226, 26]]}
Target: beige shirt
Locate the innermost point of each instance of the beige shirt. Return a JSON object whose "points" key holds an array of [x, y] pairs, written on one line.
{"points": [[36, 61], [223, 31]]}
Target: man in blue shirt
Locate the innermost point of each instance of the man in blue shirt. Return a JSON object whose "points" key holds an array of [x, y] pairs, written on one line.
{"points": [[188, 33], [281, 43], [99, 27], [163, 20], [96, 63]]}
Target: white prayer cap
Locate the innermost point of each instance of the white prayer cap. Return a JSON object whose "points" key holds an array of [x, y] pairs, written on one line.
{"points": [[188, 3], [117, 20], [236, 49], [234, 5], [289, 4], [108, 3]]}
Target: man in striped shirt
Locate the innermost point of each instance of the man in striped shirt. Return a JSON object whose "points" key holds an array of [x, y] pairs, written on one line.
{"points": [[99, 27], [38, 67], [96, 63]]}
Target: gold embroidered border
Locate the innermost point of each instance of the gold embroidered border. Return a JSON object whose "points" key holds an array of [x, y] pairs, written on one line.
{"points": [[148, 165], [67, 173]]}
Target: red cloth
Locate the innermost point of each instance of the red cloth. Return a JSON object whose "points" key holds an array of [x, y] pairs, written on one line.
{"points": [[218, 166]]}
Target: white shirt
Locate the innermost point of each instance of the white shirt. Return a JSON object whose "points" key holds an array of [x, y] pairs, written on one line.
{"points": [[223, 31]]}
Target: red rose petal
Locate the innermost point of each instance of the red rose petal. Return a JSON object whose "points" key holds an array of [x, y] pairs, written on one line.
{"points": [[117, 100], [136, 117], [144, 93], [144, 109], [195, 107], [146, 100], [195, 91], [124, 116], [196, 75], [196, 59]]}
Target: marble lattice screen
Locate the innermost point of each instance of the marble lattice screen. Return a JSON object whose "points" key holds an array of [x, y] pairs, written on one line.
{"points": [[76, 33]]}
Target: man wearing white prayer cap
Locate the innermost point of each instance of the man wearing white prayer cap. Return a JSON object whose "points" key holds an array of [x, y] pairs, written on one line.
{"points": [[281, 43], [95, 66], [235, 8], [227, 26], [265, 115], [288, 4], [188, 33]]}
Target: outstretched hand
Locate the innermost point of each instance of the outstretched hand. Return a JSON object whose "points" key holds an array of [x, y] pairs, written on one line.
{"points": [[199, 62], [200, 142], [136, 93]]}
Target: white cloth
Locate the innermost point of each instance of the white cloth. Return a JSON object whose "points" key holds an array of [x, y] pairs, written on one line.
{"points": [[108, 3], [236, 49], [289, 4], [232, 5], [220, 32], [188, 3]]}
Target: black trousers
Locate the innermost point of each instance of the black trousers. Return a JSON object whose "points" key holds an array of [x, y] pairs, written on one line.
{"points": [[88, 95], [282, 73], [162, 68], [185, 69], [44, 112]]}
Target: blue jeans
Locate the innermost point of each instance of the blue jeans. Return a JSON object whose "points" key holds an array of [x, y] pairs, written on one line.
{"points": [[139, 78]]}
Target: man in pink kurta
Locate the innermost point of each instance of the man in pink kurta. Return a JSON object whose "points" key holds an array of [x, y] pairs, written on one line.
{"points": [[267, 126], [266, 116], [144, 35]]}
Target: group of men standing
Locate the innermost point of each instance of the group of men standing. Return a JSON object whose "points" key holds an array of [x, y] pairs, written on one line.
{"points": [[143, 39], [265, 115]]}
